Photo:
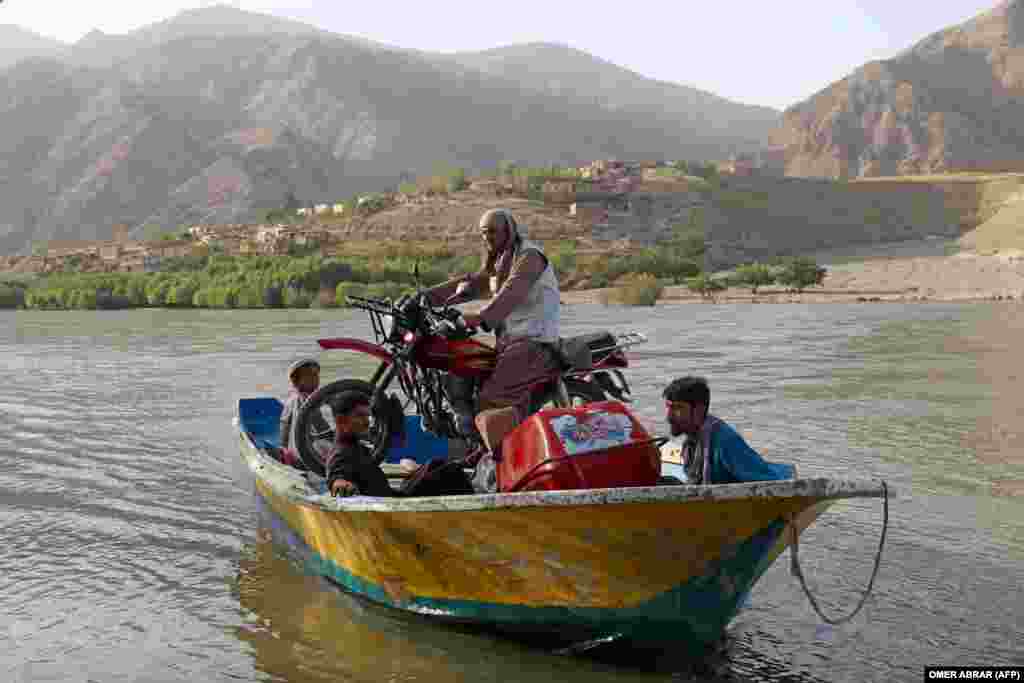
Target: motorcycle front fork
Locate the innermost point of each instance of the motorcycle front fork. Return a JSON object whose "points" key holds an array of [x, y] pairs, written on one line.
{"points": [[561, 394]]}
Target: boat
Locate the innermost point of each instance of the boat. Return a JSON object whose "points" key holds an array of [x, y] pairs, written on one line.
{"points": [[662, 566]]}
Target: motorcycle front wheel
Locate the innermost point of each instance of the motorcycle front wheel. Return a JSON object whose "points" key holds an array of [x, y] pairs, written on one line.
{"points": [[305, 436]]}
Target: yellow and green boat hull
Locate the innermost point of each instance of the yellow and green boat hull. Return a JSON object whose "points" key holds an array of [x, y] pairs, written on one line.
{"points": [[660, 565]]}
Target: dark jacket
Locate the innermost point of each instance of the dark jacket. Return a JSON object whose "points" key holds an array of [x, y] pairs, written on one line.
{"points": [[352, 461]]}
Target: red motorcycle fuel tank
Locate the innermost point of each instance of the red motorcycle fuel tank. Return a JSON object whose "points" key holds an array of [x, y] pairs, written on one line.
{"points": [[462, 357], [593, 446]]}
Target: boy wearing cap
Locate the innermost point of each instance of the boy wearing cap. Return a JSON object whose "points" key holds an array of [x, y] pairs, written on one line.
{"points": [[304, 376]]}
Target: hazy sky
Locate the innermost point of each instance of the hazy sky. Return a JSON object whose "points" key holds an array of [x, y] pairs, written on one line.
{"points": [[772, 53]]}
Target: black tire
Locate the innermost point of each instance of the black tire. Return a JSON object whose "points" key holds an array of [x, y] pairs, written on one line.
{"points": [[322, 396], [584, 392]]}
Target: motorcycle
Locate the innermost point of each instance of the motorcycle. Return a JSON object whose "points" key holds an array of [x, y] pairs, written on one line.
{"points": [[431, 354]]}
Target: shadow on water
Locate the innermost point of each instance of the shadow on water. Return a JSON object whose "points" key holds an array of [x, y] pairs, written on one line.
{"points": [[301, 627]]}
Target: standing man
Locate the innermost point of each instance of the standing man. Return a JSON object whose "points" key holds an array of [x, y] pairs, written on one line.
{"points": [[524, 314], [714, 452]]}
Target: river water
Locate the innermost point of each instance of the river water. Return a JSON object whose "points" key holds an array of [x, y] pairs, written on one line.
{"points": [[131, 548]]}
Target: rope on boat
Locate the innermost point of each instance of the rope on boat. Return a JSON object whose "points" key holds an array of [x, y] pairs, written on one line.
{"points": [[795, 570]]}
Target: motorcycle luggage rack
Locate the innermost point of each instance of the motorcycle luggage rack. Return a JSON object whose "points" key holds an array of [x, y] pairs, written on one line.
{"points": [[622, 341]]}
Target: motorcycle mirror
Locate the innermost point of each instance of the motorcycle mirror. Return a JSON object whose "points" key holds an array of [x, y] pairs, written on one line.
{"points": [[416, 273]]}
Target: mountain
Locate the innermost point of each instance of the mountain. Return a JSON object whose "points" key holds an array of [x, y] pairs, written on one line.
{"points": [[100, 50], [217, 114], [953, 102], [562, 70], [16, 44]]}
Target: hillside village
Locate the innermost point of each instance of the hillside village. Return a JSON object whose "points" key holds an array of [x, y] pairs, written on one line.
{"points": [[575, 205], [744, 210]]}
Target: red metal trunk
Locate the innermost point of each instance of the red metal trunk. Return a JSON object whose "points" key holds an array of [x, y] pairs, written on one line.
{"points": [[597, 445]]}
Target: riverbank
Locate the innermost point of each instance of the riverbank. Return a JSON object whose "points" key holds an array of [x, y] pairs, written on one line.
{"points": [[926, 270], [917, 271]]}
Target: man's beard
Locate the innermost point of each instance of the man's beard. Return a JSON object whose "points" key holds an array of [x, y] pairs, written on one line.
{"points": [[675, 428]]}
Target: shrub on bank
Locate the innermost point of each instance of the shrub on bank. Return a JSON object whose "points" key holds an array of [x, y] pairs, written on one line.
{"points": [[347, 289], [639, 289], [11, 297], [753, 276], [297, 298], [563, 257], [663, 264], [387, 290], [800, 272], [705, 285]]}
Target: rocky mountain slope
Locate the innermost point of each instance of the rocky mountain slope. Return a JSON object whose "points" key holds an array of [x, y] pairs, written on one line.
{"points": [[562, 70], [953, 102], [215, 115], [16, 44]]}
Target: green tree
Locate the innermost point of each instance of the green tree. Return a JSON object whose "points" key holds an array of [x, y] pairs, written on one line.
{"points": [[251, 296], [705, 285], [386, 290], [297, 298], [636, 289], [457, 180], [563, 257], [801, 272], [181, 295], [753, 276], [346, 289], [8, 297], [273, 296], [86, 298], [157, 292]]}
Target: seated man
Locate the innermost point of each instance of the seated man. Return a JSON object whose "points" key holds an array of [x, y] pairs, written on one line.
{"points": [[713, 453], [349, 466]]}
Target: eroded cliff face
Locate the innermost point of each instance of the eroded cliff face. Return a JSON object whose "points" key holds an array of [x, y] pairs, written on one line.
{"points": [[953, 102]]}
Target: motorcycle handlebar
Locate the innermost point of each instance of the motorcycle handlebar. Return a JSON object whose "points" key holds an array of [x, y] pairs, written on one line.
{"points": [[445, 318]]}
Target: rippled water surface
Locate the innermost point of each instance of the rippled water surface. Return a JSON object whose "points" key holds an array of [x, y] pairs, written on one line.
{"points": [[132, 549]]}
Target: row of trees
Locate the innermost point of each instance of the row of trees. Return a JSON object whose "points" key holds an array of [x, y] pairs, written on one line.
{"points": [[245, 282], [219, 281], [796, 274]]}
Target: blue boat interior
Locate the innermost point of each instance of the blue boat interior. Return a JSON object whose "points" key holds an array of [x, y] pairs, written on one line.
{"points": [[260, 418]]}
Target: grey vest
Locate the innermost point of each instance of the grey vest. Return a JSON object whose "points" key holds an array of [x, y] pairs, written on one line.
{"points": [[538, 317]]}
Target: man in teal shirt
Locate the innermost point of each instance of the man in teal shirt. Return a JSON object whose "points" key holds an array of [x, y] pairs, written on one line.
{"points": [[714, 452]]}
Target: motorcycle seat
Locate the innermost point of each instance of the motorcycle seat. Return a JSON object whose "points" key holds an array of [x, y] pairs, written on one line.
{"points": [[578, 352]]}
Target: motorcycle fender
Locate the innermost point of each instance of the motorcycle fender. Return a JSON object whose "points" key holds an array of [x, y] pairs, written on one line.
{"points": [[357, 345]]}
